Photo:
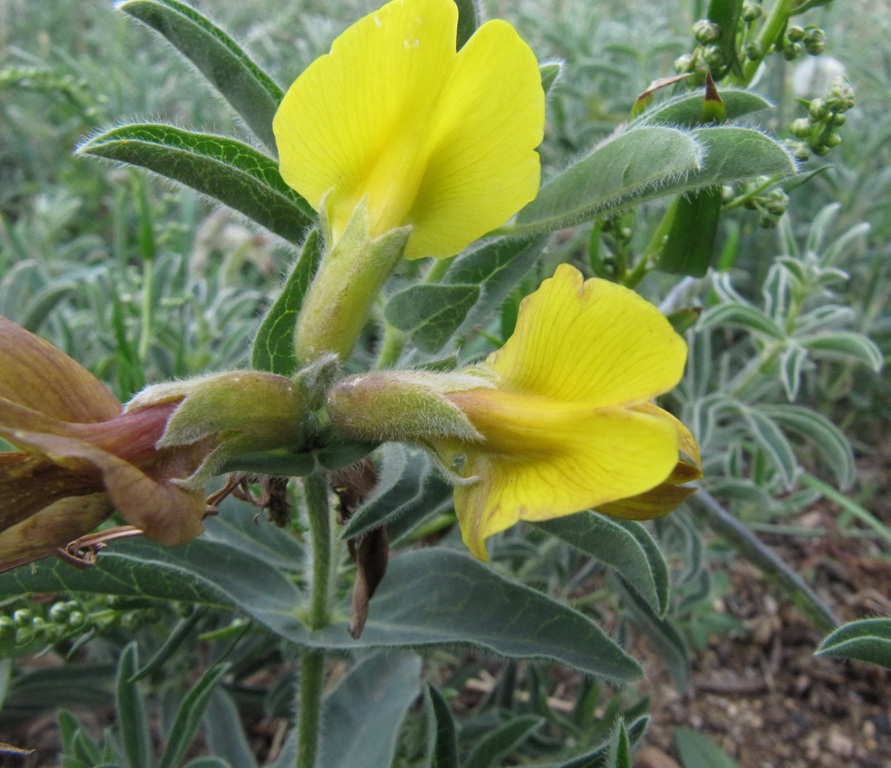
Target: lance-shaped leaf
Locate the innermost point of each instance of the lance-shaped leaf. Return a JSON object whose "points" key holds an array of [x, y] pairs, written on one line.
{"points": [[686, 109], [650, 162], [473, 287], [429, 597], [866, 640], [220, 167], [363, 714], [623, 545], [250, 91], [442, 740], [625, 165], [273, 348], [690, 245]]}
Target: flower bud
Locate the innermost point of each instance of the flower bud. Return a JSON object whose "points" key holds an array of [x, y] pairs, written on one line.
{"points": [[706, 31], [795, 34], [751, 11], [840, 97], [814, 41], [403, 405], [801, 128], [240, 411]]}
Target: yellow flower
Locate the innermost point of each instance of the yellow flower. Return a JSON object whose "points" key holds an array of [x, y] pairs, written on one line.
{"points": [[558, 421], [397, 120]]}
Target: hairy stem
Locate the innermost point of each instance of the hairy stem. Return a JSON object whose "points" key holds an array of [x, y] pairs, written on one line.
{"points": [[312, 661]]}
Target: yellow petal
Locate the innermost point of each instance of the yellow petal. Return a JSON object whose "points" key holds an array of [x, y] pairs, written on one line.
{"points": [[560, 463], [590, 342], [482, 165], [440, 140]]}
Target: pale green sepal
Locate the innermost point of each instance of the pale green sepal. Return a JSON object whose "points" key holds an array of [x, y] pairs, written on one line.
{"points": [[243, 411], [351, 275], [404, 405]]}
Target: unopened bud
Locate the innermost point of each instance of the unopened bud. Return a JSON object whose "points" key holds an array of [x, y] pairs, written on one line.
{"points": [[751, 11], [815, 41], [706, 31], [795, 34], [840, 97], [801, 128]]}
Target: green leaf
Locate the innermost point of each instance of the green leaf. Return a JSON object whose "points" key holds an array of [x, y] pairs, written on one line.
{"points": [[690, 245], [443, 746], [625, 165], [756, 552], [189, 716], [496, 267], [726, 13], [273, 348], [401, 487], [250, 91], [428, 597], [550, 71], [845, 345], [620, 751], [825, 436], [132, 719], [224, 731], [623, 545], [865, 640], [698, 751], [431, 313], [667, 640], [686, 109], [772, 440], [495, 745], [362, 716], [468, 20], [208, 762], [733, 153], [743, 316], [218, 166]]}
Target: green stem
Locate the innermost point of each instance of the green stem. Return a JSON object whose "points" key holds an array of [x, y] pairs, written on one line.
{"points": [[773, 27], [391, 348], [312, 660], [754, 550], [148, 288]]}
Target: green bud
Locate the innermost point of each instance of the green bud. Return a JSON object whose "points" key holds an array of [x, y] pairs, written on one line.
{"points": [[727, 194], [768, 220], [838, 119], [792, 51], [237, 412], [58, 613], [814, 41], [403, 405], [820, 149], [840, 97], [817, 110], [800, 150], [777, 202], [76, 619], [706, 31], [23, 616], [714, 57], [682, 63], [751, 11], [754, 51], [25, 635], [801, 128], [833, 139], [795, 34]]}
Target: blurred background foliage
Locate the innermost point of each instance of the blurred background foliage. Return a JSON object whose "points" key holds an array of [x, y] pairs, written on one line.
{"points": [[142, 281]]}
